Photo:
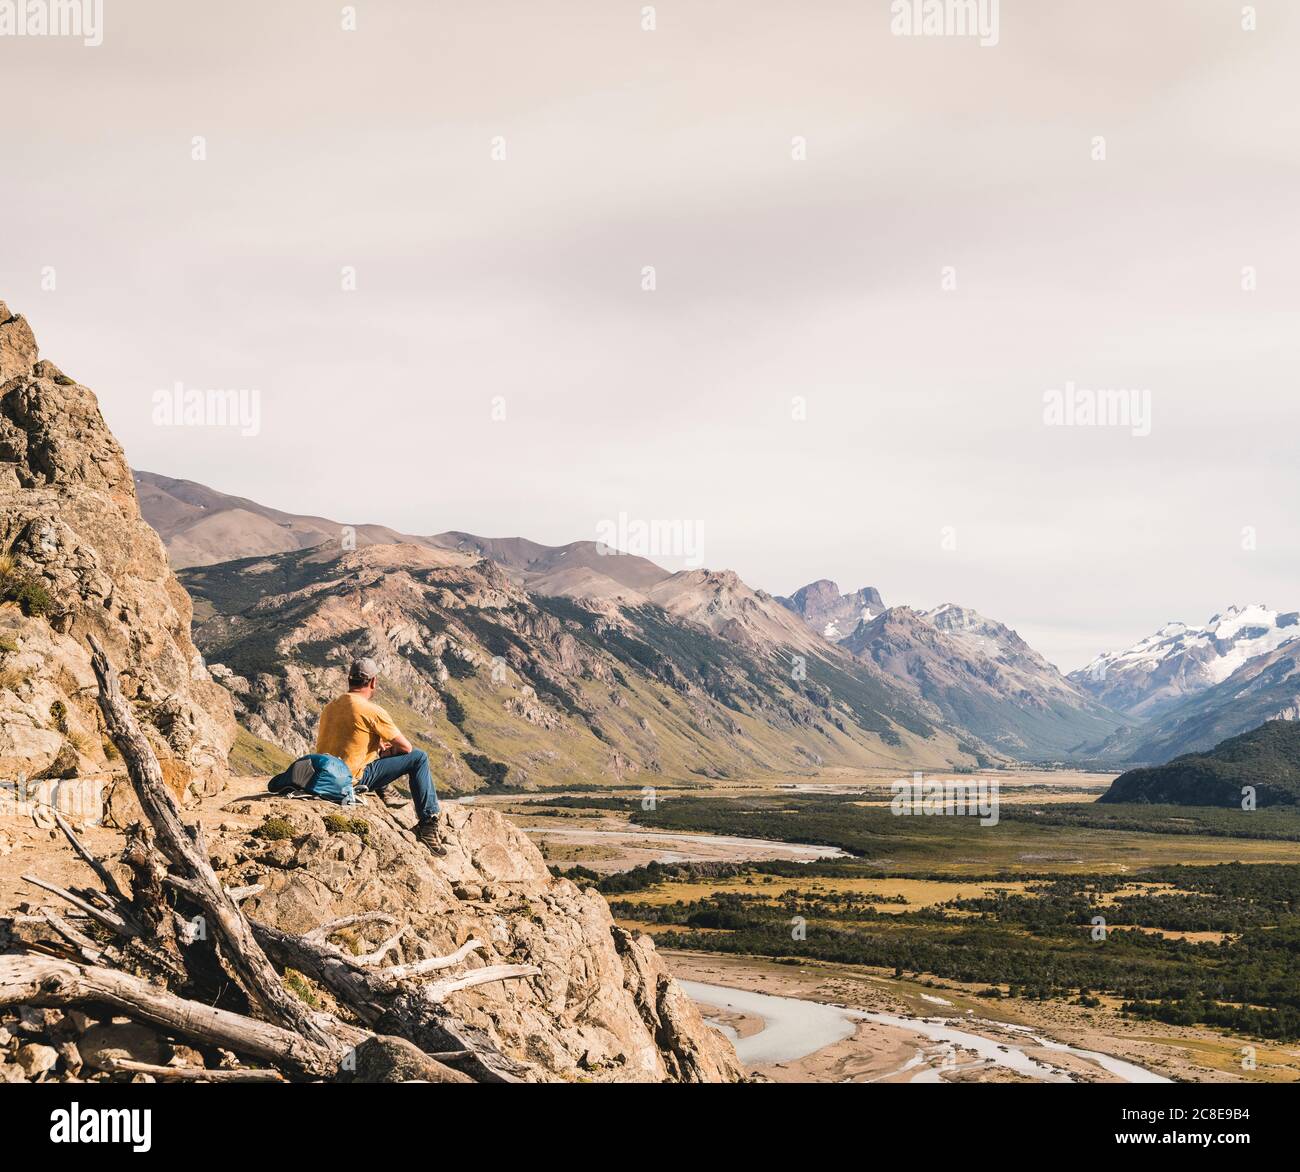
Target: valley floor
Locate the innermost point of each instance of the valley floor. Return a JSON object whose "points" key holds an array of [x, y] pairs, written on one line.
{"points": [[942, 1032], [922, 880], [609, 841]]}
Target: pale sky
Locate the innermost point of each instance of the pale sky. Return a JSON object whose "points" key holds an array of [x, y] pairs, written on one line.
{"points": [[521, 280]]}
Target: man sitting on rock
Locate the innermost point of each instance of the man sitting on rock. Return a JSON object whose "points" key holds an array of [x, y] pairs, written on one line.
{"points": [[359, 732]]}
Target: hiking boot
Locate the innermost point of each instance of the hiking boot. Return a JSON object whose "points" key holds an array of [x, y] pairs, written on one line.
{"points": [[427, 833], [392, 799]]}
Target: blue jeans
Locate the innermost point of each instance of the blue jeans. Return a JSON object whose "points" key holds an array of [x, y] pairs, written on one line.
{"points": [[414, 766]]}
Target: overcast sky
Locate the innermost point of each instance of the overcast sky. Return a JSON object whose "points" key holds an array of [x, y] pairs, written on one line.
{"points": [[923, 467]]}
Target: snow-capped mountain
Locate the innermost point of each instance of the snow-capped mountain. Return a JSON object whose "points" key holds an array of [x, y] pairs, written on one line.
{"points": [[1264, 688], [1180, 661]]}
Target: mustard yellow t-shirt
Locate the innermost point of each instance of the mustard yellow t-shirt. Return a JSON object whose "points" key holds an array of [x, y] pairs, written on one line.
{"points": [[352, 728]]}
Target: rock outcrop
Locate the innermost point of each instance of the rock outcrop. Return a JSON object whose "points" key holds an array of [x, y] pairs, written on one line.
{"points": [[77, 559], [604, 1007], [833, 615]]}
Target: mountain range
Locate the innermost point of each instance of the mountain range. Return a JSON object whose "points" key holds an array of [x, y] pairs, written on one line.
{"points": [[948, 668], [1179, 661], [503, 684], [1180, 690], [833, 615], [985, 678]]}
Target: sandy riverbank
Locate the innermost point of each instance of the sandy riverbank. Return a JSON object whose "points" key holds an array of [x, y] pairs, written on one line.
{"points": [[916, 1048]]}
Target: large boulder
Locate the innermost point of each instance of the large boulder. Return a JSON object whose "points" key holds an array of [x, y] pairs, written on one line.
{"points": [[604, 1008], [77, 559]]}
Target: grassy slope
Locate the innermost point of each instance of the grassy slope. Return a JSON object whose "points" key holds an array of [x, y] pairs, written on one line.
{"points": [[746, 730]]}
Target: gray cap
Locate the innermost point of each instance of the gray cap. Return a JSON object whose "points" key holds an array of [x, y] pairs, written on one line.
{"points": [[362, 670]]}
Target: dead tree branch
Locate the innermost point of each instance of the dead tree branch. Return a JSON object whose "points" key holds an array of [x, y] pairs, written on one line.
{"points": [[239, 947]]}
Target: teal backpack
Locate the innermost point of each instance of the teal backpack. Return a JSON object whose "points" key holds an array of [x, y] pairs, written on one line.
{"points": [[318, 775]]}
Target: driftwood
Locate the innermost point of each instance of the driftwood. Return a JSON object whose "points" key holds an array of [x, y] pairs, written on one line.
{"points": [[110, 920], [407, 1032], [90, 952], [192, 1073], [45, 981], [394, 1005], [105, 875]]}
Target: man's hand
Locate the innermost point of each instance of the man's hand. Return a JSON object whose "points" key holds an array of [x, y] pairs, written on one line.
{"points": [[394, 748]]}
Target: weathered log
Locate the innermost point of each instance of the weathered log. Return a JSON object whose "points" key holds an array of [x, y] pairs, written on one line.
{"points": [[190, 1073], [439, 991], [148, 905], [323, 932], [239, 894], [376, 957], [47, 982], [403, 972], [105, 875], [390, 1006], [109, 919], [86, 948]]}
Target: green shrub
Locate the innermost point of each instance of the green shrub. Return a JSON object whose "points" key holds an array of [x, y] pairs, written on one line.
{"points": [[27, 592], [455, 710], [457, 668], [275, 829], [301, 988], [493, 772], [342, 824]]}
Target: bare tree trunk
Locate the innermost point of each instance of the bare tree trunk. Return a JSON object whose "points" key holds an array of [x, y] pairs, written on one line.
{"points": [[239, 947]]}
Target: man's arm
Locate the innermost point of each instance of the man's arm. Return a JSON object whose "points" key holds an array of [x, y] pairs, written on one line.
{"points": [[391, 741], [396, 746]]}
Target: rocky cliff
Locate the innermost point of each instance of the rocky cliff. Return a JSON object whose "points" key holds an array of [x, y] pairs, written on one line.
{"points": [[604, 1007], [77, 559]]}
